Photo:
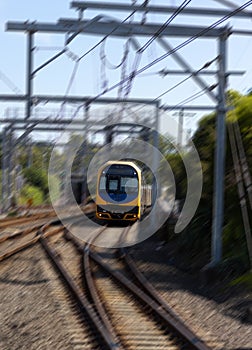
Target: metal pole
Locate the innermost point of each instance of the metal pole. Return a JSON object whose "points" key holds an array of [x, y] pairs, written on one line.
{"points": [[84, 186], [4, 166], [218, 204], [8, 165], [155, 165], [12, 194], [29, 89], [181, 115], [29, 74], [180, 127]]}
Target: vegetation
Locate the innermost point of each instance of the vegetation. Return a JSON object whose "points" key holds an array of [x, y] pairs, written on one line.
{"points": [[195, 240], [245, 279], [1, 152], [31, 192], [37, 177]]}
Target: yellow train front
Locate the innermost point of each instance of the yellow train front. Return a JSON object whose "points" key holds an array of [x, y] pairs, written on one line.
{"points": [[121, 192]]}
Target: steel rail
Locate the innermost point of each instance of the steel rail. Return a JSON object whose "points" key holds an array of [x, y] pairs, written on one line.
{"points": [[7, 221], [18, 248], [92, 289], [5, 236], [151, 291], [150, 296], [23, 246], [79, 296], [173, 322]]}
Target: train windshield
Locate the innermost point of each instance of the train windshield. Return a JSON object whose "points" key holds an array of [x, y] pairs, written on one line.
{"points": [[119, 183]]}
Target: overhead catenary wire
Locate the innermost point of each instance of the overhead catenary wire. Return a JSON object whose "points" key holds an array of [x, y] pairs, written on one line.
{"points": [[125, 57], [9, 83], [243, 54], [191, 98], [196, 36], [122, 89], [107, 35], [125, 89], [78, 59], [160, 58], [74, 58], [206, 65], [144, 17], [147, 44], [128, 83], [178, 47], [71, 81], [123, 64], [227, 3], [165, 25], [107, 63], [124, 68], [103, 56]]}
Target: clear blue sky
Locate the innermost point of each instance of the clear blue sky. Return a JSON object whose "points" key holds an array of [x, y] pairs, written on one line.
{"points": [[55, 78]]}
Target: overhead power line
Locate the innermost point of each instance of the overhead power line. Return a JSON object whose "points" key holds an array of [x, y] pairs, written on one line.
{"points": [[78, 59], [165, 25], [140, 51], [180, 46], [190, 98], [107, 35], [227, 3], [9, 83], [206, 65]]}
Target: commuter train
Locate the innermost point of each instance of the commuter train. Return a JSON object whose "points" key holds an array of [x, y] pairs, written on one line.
{"points": [[122, 192]]}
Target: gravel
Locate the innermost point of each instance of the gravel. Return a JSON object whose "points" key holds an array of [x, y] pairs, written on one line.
{"points": [[32, 314], [215, 312], [35, 314]]}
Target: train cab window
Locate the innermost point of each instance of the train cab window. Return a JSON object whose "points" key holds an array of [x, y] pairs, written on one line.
{"points": [[119, 183], [113, 184], [130, 184], [102, 185]]}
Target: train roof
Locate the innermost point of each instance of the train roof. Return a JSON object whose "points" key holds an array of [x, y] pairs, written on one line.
{"points": [[121, 162]]}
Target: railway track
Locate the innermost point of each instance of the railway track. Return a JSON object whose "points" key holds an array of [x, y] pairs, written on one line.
{"points": [[109, 289], [67, 258], [18, 233], [25, 219], [136, 317], [120, 309]]}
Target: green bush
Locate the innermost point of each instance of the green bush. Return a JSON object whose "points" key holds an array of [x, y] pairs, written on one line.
{"points": [[31, 192], [37, 177], [245, 280], [55, 188]]}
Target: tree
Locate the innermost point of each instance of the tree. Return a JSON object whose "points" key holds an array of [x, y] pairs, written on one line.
{"points": [[234, 242], [37, 178], [1, 147]]}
